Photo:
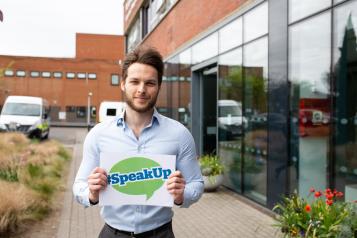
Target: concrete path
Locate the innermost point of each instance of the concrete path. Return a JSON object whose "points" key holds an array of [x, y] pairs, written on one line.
{"points": [[222, 214]]}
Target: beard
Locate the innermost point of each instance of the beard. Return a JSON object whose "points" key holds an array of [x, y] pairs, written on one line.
{"points": [[149, 106]]}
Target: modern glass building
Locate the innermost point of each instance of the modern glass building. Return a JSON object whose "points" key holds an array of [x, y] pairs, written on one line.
{"points": [[270, 87]]}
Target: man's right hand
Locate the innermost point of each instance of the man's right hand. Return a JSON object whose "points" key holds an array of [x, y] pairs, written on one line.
{"points": [[97, 181]]}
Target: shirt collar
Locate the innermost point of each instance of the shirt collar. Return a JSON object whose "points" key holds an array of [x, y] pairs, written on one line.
{"points": [[156, 117]]}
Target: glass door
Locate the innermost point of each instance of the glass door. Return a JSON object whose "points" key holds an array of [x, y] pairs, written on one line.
{"points": [[209, 109]]}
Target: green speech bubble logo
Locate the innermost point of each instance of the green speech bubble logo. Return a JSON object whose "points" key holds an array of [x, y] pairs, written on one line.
{"points": [[137, 176]]}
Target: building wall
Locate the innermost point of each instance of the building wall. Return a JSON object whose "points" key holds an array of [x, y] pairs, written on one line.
{"points": [[96, 54], [176, 28], [291, 67]]}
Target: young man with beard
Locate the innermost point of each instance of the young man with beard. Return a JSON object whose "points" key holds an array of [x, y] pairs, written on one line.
{"points": [[142, 130]]}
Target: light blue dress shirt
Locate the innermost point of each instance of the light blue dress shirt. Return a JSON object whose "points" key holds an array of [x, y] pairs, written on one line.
{"points": [[162, 136]]}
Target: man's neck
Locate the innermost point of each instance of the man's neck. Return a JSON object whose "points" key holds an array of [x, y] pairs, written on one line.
{"points": [[137, 121]]}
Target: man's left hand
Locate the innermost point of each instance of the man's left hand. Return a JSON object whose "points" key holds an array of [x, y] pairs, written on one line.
{"points": [[176, 186]]}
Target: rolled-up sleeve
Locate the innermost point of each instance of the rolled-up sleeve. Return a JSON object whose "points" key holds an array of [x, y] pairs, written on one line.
{"points": [[90, 160], [187, 163]]}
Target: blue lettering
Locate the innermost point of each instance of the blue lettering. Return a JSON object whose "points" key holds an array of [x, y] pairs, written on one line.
{"points": [[139, 176], [132, 177], [123, 179], [157, 172], [167, 173], [115, 178], [148, 174], [154, 173]]}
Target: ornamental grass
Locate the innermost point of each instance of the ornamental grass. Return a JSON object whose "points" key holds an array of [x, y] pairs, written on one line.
{"points": [[30, 173], [325, 216]]}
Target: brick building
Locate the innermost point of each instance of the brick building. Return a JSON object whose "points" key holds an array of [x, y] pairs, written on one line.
{"points": [[67, 82], [289, 67]]}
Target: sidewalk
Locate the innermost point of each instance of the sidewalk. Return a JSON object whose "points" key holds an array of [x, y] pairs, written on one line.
{"points": [[222, 214]]}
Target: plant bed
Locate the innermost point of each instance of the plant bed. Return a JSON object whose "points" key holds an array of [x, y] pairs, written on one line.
{"points": [[30, 174]]}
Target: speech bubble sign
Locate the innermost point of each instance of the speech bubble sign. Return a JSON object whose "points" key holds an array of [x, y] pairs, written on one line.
{"points": [[137, 176], [136, 179]]}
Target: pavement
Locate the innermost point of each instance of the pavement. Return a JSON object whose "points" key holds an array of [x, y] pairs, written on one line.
{"points": [[220, 214]]}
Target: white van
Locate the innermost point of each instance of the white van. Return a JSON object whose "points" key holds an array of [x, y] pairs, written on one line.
{"points": [[110, 109], [29, 115], [230, 117]]}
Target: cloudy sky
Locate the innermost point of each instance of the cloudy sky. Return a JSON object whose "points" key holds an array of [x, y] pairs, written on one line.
{"points": [[47, 27]]}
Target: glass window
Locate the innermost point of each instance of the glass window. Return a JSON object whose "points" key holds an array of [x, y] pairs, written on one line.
{"points": [[255, 98], [81, 112], [309, 67], [184, 113], [81, 75], [9, 73], [115, 79], [230, 35], [20, 73], [70, 75], [256, 22], [205, 49], [46, 75], [35, 74], [185, 57], [57, 75], [345, 111], [231, 122], [21, 109], [92, 76], [301, 8], [133, 38]]}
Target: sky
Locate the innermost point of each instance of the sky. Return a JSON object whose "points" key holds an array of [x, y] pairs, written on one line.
{"points": [[47, 28]]}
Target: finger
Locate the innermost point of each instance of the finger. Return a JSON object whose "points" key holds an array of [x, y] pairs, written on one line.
{"points": [[98, 181], [99, 170], [97, 176], [175, 186], [176, 180], [177, 173]]}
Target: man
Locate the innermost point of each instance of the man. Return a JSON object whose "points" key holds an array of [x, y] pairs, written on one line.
{"points": [[141, 129]]}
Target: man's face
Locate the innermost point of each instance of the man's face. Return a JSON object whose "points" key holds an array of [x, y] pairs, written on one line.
{"points": [[141, 87]]}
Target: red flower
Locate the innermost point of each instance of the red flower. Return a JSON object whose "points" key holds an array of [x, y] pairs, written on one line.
{"points": [[327, 190], [329, 196], [307, 208], [318, 194], [312, 190], [329, 202], [339, 194]]}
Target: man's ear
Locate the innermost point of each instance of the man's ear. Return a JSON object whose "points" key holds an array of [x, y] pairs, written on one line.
{"points": [[122, 85]]}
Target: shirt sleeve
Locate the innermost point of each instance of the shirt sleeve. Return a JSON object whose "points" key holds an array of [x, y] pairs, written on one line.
{"points": [[90, 160], [187, 163]]}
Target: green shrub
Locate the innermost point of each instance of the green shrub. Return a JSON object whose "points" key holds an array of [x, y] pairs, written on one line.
{"points": [[30, 174]]}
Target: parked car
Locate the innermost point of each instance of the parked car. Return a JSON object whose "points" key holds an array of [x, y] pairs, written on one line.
{"points": [[29, 115], [110, 109], [230, 118]]}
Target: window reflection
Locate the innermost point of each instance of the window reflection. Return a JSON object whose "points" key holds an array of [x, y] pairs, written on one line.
{"points": [[230, 36], [301, 8], [230, 118], [345, 111], [255, 67], [309, 66], [205, 49], [185, 87], [256, 22]]}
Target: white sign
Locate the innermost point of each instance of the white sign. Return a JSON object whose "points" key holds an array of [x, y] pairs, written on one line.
{"points": [[62, 115], [137, 179]]}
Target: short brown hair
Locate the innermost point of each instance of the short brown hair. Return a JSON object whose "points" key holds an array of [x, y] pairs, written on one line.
{"points": [[144, 55]]}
